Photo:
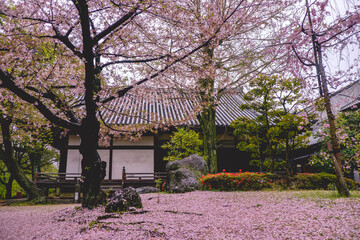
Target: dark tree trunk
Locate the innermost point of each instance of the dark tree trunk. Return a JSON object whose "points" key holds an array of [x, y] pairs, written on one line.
{"points": [[13, 166], [93, 169], [8, 186], [271, 158], [287, 159], [272, 167]]}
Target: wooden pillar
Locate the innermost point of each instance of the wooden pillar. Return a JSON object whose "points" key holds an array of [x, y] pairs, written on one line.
{"points": [[63, 154], [157, 160], [77, 191], [111, 156], [123, 177]]}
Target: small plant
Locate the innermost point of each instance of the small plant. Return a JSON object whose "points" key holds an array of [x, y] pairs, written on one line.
{"points": [[182, 144], [158, 185]]}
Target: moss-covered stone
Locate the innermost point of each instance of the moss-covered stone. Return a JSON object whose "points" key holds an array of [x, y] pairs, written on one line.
{"points": [[183, 175], [124, 200]]}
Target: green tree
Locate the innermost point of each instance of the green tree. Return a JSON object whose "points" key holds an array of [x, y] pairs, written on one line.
{"points": [[257, 133], [292, 129], [12, 165], [182, 144], [24, 147], [277, 128], [253, 139]]}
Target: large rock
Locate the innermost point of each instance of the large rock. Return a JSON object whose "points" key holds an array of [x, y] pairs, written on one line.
{"points": [[147, 189], [183, 175], [124, 200]]}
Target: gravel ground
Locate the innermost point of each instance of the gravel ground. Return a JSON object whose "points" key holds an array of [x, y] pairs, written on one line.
{"points": [[196, 215]]}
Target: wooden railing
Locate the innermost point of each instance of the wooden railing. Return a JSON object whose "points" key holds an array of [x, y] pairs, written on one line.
{"points": [[134, 180], [56, 179], [69, 180]]}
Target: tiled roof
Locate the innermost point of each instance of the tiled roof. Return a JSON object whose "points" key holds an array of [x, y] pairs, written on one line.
{"points": [[171, 109]]}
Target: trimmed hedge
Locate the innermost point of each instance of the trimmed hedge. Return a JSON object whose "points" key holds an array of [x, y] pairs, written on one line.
{"points": [[320, 181], [256, 181], [235, 181]]}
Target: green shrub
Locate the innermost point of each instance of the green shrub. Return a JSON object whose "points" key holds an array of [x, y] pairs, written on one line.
{"points": [[351, 184], [182, 144], [235, 181], [257, 181], [313, 180], [320, 181]]}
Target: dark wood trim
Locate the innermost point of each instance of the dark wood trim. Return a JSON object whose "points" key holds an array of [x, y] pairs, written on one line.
{"points": [[156, 152], [111, 157], [118, 147]]}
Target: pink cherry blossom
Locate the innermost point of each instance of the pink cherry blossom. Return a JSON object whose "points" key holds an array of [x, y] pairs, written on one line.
{"points": [[195, 215]]}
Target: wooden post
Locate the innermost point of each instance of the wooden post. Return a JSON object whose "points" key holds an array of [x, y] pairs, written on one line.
{"points": [[58, 191], [77, 191], [123, 177]]}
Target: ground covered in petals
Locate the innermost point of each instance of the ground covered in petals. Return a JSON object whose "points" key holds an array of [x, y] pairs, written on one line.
{"points": [[196, 215]]}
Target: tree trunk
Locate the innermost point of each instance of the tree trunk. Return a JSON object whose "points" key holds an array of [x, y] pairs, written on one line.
{"points": [[13, 166], [271, 159], [93, 169], [8, 186], [287, 160], [341, 186], [208, 126], [272, 167], [207, 114]]}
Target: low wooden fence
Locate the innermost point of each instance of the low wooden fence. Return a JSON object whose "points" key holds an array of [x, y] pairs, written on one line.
{"points": [[66, 182]]}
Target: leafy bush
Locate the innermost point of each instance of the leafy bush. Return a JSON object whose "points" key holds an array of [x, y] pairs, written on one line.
{"points": [[313, 180], [351, 184], [257, 181], [320, 181], [182, 144], [235, 181]]}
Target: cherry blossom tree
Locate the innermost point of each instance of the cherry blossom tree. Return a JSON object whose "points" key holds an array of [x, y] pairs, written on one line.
{"points": [[244, 50], [52, 52], [322, 33], [7, 151]]}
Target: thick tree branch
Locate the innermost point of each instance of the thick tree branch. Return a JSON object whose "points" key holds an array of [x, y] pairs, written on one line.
{"points": [[8, 83], [298, 57], [118, 23], [65, 40], [135, 61], [57, 101]]}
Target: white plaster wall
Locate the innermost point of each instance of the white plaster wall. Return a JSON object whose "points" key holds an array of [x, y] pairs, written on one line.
{"points": [[144, 141], [74, 140], [73, 164], [134, 160]]}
